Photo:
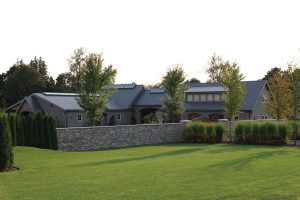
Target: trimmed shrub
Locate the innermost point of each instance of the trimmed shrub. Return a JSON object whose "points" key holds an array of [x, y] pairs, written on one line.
{"points": [[210, 134], [271, 132], [201, 137], [12, 125], [283, 133], [40, 129], [248, 133], [219, 130], [6, 147], [267, 133], [239, 133], [202, 133], [53, 134]]}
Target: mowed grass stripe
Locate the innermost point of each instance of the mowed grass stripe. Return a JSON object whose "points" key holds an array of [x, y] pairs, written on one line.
{"points": [[175, 171]]}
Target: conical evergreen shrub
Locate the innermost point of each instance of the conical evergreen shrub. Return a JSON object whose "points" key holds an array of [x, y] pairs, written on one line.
{"points": [[6, 147]]}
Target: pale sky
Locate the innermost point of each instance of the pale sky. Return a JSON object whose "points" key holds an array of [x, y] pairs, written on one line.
{"points": [[142, 38]]}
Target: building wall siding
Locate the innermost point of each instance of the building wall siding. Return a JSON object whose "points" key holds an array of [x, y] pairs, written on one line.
{"points": [[54, 111], [260, 108]]}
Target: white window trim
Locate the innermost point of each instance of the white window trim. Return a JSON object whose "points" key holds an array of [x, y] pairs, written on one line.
{"points": [[258, 117], [79, 120], [264, 98], [119, 114]]}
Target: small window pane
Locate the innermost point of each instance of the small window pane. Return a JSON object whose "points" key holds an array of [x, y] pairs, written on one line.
{"points": [[209, 97], [79, 117], [189, 98], [203, 97], [217, 97], [119, 116], [196, 97]]}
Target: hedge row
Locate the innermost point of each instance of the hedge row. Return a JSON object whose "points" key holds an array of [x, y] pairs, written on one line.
{"points": [[196, 132], [6, 147], [267, 133], [37, 130]]}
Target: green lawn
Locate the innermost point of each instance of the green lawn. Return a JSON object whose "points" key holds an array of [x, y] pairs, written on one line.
{"points": [[177, 171]]}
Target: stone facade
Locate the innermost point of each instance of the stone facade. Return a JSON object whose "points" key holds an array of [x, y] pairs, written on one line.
{"points": [[106, 137]]}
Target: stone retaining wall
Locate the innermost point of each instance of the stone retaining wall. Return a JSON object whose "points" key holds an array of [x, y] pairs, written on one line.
{"points": [[106, 137]]}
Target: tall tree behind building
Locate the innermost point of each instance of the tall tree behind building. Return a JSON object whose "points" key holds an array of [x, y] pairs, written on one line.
{"points": [[75, 64], [215, 68]]}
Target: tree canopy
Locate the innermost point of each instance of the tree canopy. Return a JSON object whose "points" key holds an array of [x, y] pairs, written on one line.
{"points": [[95, 83], [174, 100], [215, 68], [231, 80], [279, 100]]}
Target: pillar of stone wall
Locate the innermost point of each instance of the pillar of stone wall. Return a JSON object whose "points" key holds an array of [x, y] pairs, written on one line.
{"points": [[106, 137]]}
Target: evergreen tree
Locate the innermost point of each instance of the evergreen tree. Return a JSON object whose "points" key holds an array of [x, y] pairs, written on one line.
{"points": [[13, 125], [6, 147]]}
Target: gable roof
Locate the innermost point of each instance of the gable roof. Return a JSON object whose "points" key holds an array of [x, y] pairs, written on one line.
{"points": [[122, 99], [253, 90], [151, 97]]}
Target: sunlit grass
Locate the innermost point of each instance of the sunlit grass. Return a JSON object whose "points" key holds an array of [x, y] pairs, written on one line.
{"points": [[177, 171]]}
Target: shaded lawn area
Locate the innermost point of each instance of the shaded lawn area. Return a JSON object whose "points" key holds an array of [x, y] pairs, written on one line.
{"points": [[176, 171]]}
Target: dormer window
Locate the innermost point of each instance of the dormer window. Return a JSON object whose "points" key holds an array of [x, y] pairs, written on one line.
{"points": [[264, 98]]}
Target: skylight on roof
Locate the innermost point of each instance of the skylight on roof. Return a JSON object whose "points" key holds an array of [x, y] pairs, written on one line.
{"points": [[157, 90], [59, 94], [124, 86]]}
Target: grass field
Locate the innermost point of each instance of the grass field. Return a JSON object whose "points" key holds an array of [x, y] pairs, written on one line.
{"points": [[177, 171]]}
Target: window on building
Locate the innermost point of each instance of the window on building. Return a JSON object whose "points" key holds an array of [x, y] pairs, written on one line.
{"points": [[202, 97], [236, 117], [209, 97], [264, 98], [264, 117], [258, 117], [189, 98], [217, 97], [119, 116], [196, 97], [79, 118]]}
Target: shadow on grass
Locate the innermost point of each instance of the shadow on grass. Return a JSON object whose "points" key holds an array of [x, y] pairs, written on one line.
{"points": [[123, 160], [227, 148], [240, 163]]}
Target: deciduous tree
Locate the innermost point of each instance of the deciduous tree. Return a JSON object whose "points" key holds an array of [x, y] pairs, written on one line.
{"points": [[235, 91], [75, 64], [279, 101], [215, 68], [95, 83], [174, 100]]}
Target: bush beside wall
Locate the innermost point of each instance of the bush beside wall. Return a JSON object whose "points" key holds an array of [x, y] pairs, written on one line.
{"points": [[266, 133], [196, 132], [38, 130]]}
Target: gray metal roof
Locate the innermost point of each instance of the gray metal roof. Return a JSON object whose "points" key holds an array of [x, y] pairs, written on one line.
{"points": [[33, 103], [65, 102], [253, 90], [150, 98], [119, 100]]}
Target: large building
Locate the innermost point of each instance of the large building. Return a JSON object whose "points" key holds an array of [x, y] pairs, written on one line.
{"points": [[132, 104]]}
